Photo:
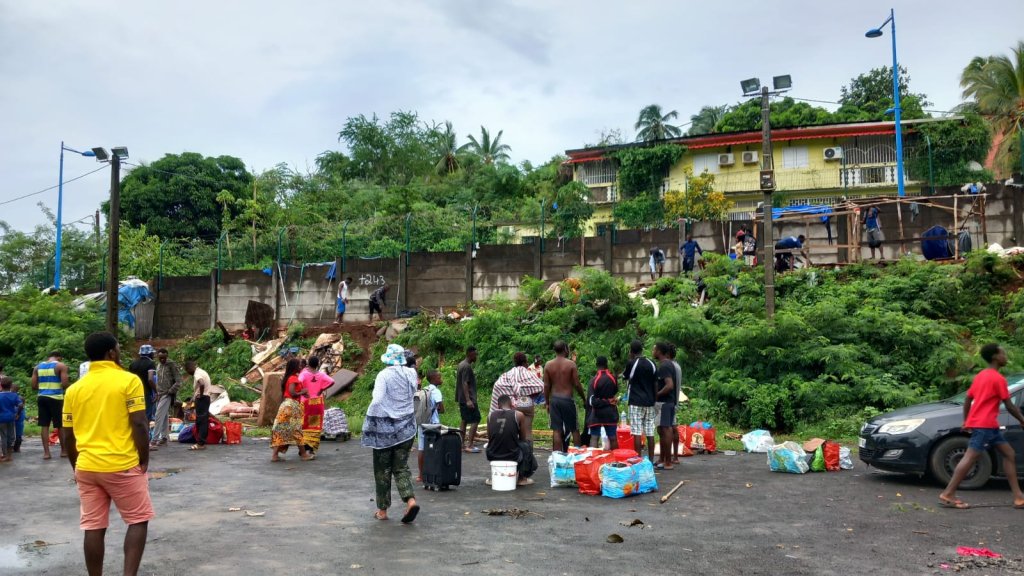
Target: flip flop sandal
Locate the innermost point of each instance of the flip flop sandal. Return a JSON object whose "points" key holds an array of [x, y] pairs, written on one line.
{"points": [[377, 516], [957, 504], [411, 514]]}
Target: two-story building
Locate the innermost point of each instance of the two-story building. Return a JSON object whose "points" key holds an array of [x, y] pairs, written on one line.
{"points": [[813, 165]]}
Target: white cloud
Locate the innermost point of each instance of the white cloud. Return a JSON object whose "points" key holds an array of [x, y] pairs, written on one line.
{"points": [[273, 82]]}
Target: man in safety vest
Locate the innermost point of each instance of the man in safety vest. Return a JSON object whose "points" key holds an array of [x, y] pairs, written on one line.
{"points": [[50, 378]]}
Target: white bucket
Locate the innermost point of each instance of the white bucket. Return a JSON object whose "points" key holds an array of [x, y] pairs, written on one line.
{"points": [[503, 475]]}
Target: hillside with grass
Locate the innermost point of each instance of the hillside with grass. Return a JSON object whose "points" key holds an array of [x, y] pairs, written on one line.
{"points": [[845, 343]]}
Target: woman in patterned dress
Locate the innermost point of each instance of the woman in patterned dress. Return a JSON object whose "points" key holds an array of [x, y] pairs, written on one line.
{"points": [[287, 429]]}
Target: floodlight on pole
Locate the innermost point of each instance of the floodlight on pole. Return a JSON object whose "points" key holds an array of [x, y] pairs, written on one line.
{"points": [[101, 154], [752, 87], [897, 110], [120, 151]]}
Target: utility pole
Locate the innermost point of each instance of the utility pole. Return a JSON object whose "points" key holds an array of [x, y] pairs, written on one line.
{"points": [[114, 222], [99, 245], [768, 186]]}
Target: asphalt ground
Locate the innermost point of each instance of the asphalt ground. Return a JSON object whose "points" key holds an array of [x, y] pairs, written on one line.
{"points": [[733, 516]]}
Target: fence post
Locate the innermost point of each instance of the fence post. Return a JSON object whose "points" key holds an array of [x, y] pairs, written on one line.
{"points": [[213, 298], [470, 249], [344, 234], [160, 275]]}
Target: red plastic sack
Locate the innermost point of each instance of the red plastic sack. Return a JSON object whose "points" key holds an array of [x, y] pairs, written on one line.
{"points": [[216, 432], [54, 438], [588, 473], [684, 446], [233, 432], [831, 452], [699, 439], [624, 435]]}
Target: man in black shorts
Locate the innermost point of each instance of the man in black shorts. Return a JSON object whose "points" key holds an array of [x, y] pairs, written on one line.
{"points": [[665, 403], [377, 298], [561, 378], [50, 378], [465, 394]]}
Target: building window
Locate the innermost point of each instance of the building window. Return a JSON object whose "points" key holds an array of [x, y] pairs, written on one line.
{"points": [[705, 162], [599, 172], [795, 157]]}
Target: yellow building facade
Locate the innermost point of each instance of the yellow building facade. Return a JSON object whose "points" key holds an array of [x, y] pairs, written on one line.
{"points": [[813, 165]]}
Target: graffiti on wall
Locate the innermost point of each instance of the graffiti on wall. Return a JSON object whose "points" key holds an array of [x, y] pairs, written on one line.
{"points": [[371, 280]]}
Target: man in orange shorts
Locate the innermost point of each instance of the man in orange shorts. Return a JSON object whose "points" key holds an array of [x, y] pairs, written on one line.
{"points": [[108, 445]]}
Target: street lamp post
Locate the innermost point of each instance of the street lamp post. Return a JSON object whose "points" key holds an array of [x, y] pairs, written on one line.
{"points": [[752, 87], [875, 33], [60, 212]]}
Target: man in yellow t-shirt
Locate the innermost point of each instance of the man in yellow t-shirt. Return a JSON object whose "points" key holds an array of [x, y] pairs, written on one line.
{"points": [[108, 445]]}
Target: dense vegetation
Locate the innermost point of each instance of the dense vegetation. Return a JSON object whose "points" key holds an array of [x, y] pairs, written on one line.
{"points": [[844, 344]]}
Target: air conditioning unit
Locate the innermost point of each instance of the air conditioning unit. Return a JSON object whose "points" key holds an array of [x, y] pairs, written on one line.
{"points": [[833, 153], [750, 157], [726, 159]]}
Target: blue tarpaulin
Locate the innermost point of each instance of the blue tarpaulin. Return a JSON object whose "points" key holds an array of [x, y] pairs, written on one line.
{"points": [[130, 294], [825, 211]]}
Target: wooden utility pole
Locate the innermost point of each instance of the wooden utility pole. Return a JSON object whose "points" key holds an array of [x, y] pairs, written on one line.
{"points": [[114, 223], [768, 186], [99, 246]]}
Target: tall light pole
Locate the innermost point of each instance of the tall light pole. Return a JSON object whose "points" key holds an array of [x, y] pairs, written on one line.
{"points": [[60, 212], [875, 33], [115, 156], [751, 87]]}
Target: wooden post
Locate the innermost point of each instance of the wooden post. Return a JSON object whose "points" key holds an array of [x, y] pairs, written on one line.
{"points": [[956, 222], [984, 221], [899, 218]]}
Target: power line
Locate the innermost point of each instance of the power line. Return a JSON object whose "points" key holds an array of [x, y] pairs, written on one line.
{"points": [[44, 190]]}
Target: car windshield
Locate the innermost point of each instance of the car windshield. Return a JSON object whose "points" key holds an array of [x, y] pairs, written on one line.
{"points": [[1016, 383]]}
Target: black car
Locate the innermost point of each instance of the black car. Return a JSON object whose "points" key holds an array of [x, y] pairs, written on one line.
{"points": [[927, 439]]}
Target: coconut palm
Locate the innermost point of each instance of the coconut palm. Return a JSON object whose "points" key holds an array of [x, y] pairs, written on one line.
{"points": [[996, 84], [703, 122], [490, 151], [653, 125], [447, 150]]}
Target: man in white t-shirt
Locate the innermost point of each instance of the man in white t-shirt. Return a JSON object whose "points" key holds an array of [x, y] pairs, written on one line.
{"points": [[200, 401], [343, 299]]}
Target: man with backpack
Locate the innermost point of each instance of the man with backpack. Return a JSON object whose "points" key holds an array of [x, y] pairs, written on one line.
{"points": [[428, 405]]}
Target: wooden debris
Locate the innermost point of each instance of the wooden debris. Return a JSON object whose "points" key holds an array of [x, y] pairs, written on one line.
{"points": [[513, 512]]}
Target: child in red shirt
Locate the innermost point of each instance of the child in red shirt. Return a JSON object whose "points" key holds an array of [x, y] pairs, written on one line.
{"points": [[981, 419]]}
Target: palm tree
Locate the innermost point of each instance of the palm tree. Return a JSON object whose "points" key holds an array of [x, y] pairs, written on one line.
{"points": [[996, 84], [491, 151], [703, 122], [653, 125], [447, 150]]}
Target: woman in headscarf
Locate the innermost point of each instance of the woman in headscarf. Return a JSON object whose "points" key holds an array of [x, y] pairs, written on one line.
{"points": [[520, 384], [390, 428], [287, 429], [314, 382]]}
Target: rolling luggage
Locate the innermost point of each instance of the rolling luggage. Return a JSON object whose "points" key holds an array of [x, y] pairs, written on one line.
{"points": [[442, 458]]}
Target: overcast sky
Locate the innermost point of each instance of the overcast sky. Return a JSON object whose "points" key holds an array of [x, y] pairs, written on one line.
{"points": [[273, 82]]}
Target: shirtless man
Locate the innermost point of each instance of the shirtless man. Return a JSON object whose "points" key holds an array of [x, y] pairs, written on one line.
{"points": [[560, 379]]}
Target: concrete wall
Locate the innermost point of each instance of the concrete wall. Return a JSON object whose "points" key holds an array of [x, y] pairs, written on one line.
{"points": [[183, 306], [445, 280], [436, 280]]}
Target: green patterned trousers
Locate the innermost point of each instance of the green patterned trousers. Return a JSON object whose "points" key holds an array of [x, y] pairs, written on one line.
{"points": [[390, 462]]}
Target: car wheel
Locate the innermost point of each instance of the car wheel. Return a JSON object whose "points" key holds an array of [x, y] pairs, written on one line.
{"points": [[947, 455]]}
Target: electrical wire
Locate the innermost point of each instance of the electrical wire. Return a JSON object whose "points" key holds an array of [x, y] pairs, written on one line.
{"points": [[44, 190]]}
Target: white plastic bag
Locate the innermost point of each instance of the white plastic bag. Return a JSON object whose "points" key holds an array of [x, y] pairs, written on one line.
{"points": [[562, 467], [788, 457], [759, 441], [845, 461]]}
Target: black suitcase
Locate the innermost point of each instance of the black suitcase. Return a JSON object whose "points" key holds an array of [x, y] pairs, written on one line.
{"points": [[442, 459]]}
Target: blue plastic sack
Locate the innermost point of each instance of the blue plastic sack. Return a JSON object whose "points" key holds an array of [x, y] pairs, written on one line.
{"points": [[187, 434], [757, 441], [619, 480], [646, 480], [788, 457]]}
